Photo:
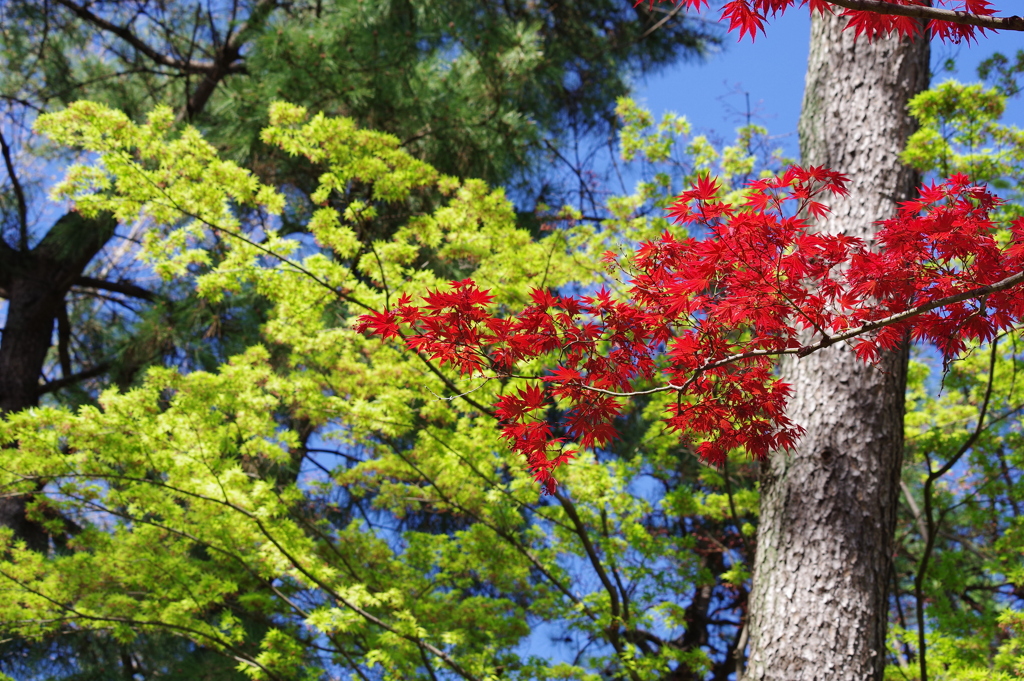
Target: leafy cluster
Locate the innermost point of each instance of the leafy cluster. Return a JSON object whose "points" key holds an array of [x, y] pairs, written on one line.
{"points": [[962, 20], [956, 594]]}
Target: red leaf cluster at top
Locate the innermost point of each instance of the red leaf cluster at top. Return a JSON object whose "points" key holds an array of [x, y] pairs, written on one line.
{"points": [[705, 318], [749, 16]]}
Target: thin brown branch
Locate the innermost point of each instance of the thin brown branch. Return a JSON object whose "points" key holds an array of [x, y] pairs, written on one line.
{"points": [[71, 379], [612, 631], [595, 560], [915, 511], [662, 21], [1012, 23]]}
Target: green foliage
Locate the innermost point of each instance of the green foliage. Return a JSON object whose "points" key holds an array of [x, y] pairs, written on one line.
{"points": [[474, 88], [971, 583], [960, 133], [959, 537], [1003, 72], [324, 500]]}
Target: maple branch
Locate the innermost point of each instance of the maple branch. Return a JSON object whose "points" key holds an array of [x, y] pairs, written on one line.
{"points": [[732, 508], [258, 521], [595, 560], [198, 634], [239, 560], [588, 546], [338, 292], [1012, 23], [1002, 285], [826, 341], [518, 546]]}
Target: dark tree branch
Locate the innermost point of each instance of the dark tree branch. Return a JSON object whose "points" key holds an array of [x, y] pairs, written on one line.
{"points": [[225, 60], [122, 287], [1013, 23], [8, 263], [19, 194], [125, 34], [60, 383]]}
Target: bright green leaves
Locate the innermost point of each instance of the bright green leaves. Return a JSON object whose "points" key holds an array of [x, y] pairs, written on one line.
{"points": [[161, 484], [961, 133], [963, 521], [634, 138], [326, 499], [146, 173], [350, 154]]}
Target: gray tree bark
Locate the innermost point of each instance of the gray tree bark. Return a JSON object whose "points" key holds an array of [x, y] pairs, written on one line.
{"points": [[819, 604]]}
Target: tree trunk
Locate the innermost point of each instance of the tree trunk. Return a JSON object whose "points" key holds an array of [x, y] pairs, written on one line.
{"points": [[819, 604], [35, 283]]}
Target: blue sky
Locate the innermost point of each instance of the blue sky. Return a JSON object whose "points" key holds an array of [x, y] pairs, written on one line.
{"points": [[772, 70]]}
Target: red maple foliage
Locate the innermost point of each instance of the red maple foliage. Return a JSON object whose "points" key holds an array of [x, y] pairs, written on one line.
{"points": [[951, 20], [705, 318]]}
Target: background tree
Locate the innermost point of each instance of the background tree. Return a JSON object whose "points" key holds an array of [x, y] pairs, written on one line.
{"points": [[952, 578], [446, 600], [483, 90], [493, 81]]}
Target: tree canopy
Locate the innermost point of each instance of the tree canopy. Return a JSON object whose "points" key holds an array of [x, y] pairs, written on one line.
{"points": [[305, 499]]}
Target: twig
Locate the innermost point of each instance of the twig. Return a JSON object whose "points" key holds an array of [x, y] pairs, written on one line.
{"points": [[1012, 23]]}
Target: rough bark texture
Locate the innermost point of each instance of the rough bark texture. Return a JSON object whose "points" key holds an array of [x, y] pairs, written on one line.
{"points": [[819, 601]]}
